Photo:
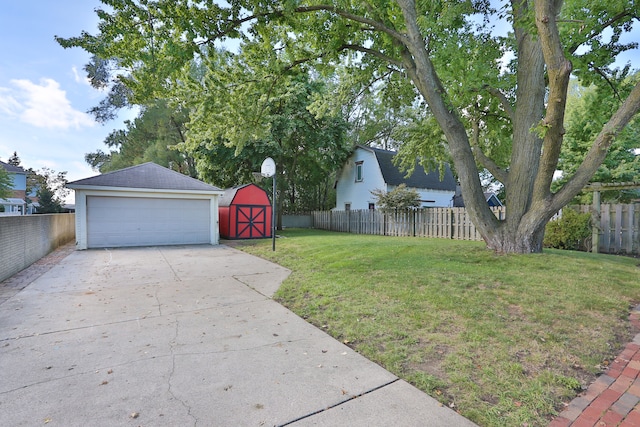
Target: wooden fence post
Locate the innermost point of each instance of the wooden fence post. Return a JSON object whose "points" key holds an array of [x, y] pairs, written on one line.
{"points": [[595, 221]]}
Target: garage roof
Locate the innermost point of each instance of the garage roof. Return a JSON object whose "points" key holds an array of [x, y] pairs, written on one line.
{"points": [[147, 175]]}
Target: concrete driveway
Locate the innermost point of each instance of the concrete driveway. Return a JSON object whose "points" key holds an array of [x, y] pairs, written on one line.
{"points": [[184, 336]]}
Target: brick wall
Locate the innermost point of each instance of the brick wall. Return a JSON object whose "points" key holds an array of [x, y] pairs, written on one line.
{"points": [[25, 239], [19, 194]]}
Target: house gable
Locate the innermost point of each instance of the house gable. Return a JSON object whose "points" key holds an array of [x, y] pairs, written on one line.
{"points": [[360, 174], [379, 172], [19, 176]]}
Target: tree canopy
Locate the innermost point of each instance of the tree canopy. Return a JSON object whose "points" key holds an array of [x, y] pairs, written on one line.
{"points": [[152, 137], [6, 184], [235, 125], [443, 57], [587, 111], [49, 184]]}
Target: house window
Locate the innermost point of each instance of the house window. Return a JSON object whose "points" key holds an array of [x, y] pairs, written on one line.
{"points": [[359, 171], [347, 206], [372, 206]]}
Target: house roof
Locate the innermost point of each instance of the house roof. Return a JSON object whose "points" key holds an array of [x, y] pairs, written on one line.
{"points": [[458, 201], [392, 175], [12, 201], [11, 168], [147, 175]]}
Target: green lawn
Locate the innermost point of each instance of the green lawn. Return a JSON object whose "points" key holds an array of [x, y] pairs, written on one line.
{"points": [[504, 340]]}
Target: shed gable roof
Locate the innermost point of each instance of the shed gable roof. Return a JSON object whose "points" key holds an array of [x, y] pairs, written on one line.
{"points": [[229, 195], [392, 175], [147, 175]]}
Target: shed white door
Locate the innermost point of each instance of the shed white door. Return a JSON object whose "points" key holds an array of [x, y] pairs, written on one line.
{"points": [[141, 221]]}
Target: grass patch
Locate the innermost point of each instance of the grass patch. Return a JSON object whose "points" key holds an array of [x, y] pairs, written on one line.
{"points": [[504, 340]]}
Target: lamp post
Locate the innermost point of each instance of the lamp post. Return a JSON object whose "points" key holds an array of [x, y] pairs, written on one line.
{"points": [[267, 170]]}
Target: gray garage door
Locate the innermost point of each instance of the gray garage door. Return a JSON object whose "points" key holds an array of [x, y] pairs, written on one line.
{"points": [[140, 221]]}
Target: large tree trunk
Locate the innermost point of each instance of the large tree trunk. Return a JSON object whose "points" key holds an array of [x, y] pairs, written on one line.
{"points": [[543, 76], [510, 243]]}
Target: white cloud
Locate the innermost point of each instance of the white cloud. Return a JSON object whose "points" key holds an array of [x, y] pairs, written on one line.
{"points": [[79, 78], [43, 105], [8, 104]]}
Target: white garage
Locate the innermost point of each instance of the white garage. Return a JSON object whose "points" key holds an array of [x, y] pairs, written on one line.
{"points": [[145, 205]]}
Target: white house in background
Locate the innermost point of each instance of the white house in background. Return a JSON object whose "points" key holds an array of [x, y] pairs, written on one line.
{"points": [[370, 168]]}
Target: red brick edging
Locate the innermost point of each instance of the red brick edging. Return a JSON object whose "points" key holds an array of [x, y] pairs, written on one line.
{"points": [[614, 398]]}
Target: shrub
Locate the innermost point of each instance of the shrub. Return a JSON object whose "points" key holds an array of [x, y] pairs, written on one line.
{"points": [[400, 197], [569, 231]]}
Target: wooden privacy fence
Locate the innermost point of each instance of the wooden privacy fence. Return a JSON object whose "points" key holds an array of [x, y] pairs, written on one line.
{"points": [[448, 223], [617, 227]]}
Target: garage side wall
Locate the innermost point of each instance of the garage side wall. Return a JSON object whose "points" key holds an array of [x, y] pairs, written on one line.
{"points": [[25, 239]]}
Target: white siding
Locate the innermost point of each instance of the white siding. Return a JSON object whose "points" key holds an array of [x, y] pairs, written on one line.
{"points": [[436, 198], [358, 194], [433, 198]]}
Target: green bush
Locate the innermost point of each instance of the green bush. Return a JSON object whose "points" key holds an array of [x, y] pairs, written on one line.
{"points": [[569, 231], [400, 197]]}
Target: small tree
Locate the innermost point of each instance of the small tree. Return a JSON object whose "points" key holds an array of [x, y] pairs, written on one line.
{"points": [[400, 197], [6, 184], [47, 178], [48, 201], [14, 159]]}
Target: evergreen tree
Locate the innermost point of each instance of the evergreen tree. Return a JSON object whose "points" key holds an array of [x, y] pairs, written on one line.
{"points": [[14, 159], [48, 201]]}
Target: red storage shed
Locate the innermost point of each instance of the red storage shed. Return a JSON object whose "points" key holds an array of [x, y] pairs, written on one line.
{"points": [[245, 213]]}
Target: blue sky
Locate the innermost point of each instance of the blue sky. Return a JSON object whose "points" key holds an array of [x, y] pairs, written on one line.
{"points": [[44, 94]]}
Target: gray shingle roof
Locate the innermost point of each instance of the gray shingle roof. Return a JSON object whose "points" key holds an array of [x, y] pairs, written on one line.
{"points": [[147, 175], [418, 179], [11, 168]]}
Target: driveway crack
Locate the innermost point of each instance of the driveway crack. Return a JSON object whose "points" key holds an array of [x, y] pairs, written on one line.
{"points": [[172, 348], [175, 275]]}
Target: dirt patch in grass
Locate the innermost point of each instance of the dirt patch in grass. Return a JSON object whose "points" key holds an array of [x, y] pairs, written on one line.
{"points": [[431, 362]]}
